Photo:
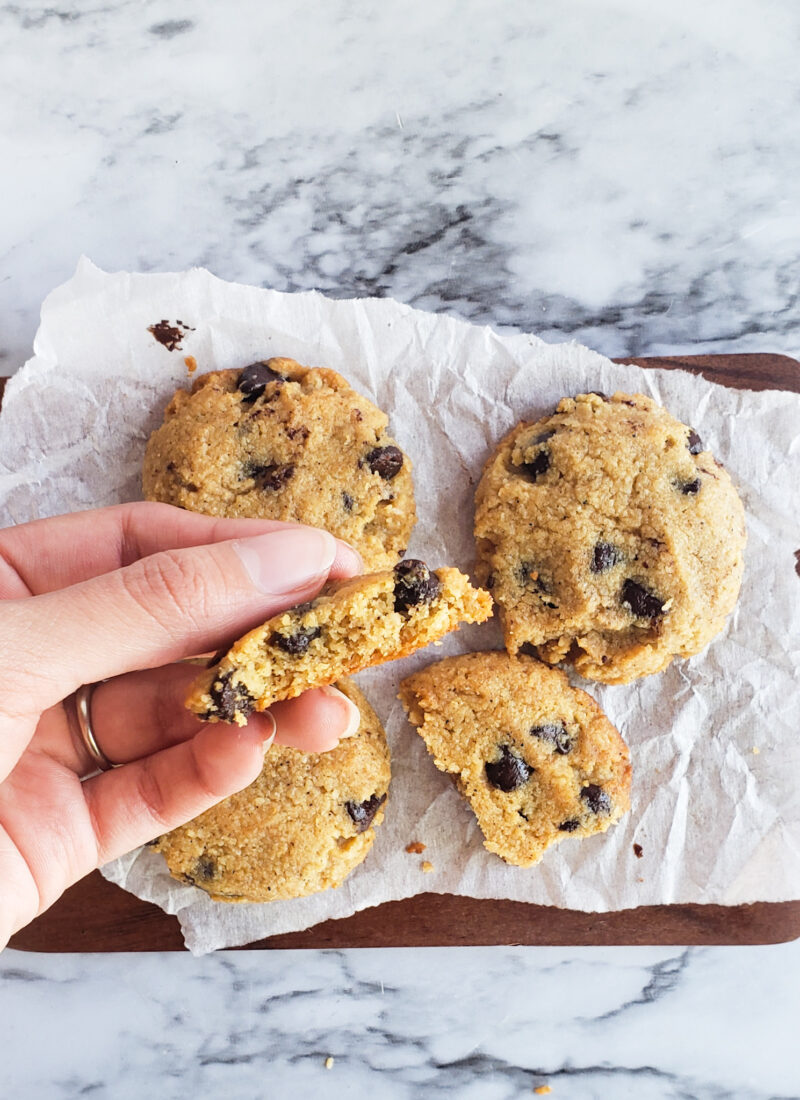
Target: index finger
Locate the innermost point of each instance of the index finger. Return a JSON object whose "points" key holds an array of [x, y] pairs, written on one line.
{"points": [[49, 554]]}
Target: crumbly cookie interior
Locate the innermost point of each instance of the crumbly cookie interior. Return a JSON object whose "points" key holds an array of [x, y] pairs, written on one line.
{"points": [[352, 625]]}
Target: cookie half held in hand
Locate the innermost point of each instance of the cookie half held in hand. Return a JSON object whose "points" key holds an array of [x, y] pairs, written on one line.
{"points": [[278, 440], [609, 537], [351, 625], [301, 827], [536, 759]]}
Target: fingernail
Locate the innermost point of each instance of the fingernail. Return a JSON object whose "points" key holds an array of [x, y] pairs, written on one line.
{"points": [[283, 561], [351, 715], [348, 560], [265, 745]]}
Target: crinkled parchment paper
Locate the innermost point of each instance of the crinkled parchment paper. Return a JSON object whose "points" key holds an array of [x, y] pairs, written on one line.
{"points": [[714, 740]]}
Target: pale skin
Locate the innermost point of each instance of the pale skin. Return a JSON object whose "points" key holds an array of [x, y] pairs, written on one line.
{"points": [[120, 595]]}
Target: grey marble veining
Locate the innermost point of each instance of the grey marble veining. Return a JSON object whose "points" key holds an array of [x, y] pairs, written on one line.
{"points": [[618, 173], [480, 1024], [623, 173]]}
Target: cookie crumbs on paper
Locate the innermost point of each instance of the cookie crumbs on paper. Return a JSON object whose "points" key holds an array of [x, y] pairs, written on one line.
{"points": [[416, 848], [426, 866], [543, 1090], [329, 1062]]}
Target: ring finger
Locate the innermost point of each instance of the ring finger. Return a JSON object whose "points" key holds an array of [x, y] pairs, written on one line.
{"points": [[141, 713]]}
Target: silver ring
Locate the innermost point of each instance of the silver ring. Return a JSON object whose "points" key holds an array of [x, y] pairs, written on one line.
{"points": [[83, 713]]}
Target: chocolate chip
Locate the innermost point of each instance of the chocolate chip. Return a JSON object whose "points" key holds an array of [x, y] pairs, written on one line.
{"points": [[536, 467], [638, 851], [605, 557], [569, 826], [596, 799], [230, 699], [509, 772], [271, 477], [600, 394], [254, 379], [363, 813], [414, 584], [189, 486], [642, 603], [544, 436], [689, 488], [217, 657], [296, 643], [347, 502], [205, 869], [694, 442], [555, 734], [385, 461]]}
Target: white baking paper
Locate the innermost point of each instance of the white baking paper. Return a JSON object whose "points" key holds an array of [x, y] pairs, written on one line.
{"points": [[714, 740]]}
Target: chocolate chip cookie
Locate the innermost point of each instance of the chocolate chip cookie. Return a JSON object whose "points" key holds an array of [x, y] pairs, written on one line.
{"points": [[609, 537], [536, 759], [351, 625], [277, 440], [303, 826]]}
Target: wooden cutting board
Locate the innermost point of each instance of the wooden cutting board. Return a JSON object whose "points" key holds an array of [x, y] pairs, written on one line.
{"points": [[94, 915]]}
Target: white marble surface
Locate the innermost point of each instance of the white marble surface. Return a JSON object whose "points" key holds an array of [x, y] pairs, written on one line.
{"points": [[617, 171]]}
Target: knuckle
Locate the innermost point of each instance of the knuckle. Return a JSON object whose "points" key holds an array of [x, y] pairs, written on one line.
{"points": [[151, 794], [175, 589]]}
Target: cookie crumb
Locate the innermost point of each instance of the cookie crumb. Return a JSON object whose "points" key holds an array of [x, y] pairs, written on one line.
{"points": [[638, 851], [756, 750], [427, 866], [543, 1090], [329, 1062], [191, 363], [415, 848]]}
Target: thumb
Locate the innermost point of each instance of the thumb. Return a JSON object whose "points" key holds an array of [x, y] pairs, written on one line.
{"points": [[161, 608]]}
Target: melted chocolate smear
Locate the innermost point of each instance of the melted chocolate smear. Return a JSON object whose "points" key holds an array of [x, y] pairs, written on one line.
{"points": [[169, 335], [638, 851], [797, 562]]}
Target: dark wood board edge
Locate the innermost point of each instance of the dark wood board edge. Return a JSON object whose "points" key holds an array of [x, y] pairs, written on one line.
{"points": [[750, 370], [96, 916]]}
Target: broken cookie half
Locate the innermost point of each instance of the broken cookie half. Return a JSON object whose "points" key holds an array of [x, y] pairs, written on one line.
{"points": [[351, 625], [536, 759]]}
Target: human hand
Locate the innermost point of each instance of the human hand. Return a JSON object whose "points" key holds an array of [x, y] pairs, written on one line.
{"points": [[106, 594]]}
